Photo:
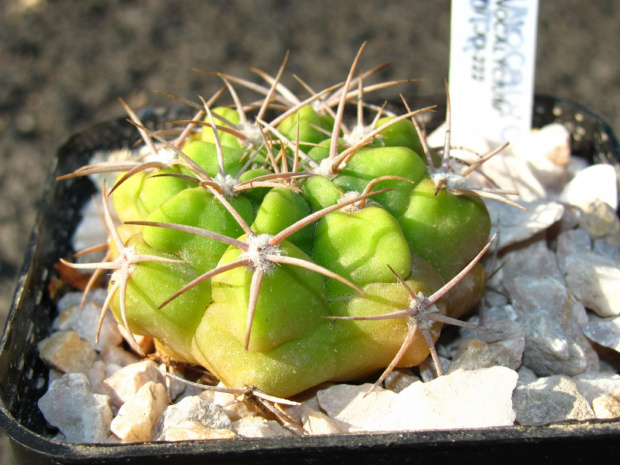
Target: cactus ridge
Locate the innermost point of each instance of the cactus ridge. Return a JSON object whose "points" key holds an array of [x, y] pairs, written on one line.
{"points": [[300, 248]]}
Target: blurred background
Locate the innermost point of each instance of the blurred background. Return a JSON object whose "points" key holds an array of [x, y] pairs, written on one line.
{"points": [[63, 64]]}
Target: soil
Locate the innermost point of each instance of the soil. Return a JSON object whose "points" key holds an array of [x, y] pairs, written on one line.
{"points": [[64, 64]]}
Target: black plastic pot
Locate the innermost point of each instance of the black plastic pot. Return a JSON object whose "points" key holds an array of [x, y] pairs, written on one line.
{"points": [[23, 377]]}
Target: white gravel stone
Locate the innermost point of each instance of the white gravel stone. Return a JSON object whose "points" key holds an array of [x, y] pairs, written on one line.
{"points": [[137, 417], [593, 385], [553, 323], [463, 399], [547, 150], [595, 282], [503, 312], [519, 225], [505, 344], [192, 409], [84, 320], [526, 376], [356, 405], [111, 368], [190, 391], [577, 164], [604, 331], [606, 407], [570, 242], [259, 427], [592, 183], [550, 400], [516, 175], [81, 416], [60, 437], [54, 375], [550, 349], [67, 352], [128, 380], [607, 249], [473, 354], [599, 220], [531, 259], [96, 376], [195, 431], [547, 292], [116, 355], [318, 423], [535, 292], [71, 299]]}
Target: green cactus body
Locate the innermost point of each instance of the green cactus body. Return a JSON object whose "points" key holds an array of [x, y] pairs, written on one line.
{"points": [[359, 246], [401, 134], [257, 194], [372, 163], [331, 351], [142, 193], [382, 341], [226, 139], [310, 125], [404, 134], [277, 270], [281, 208], [320, 151], [447, 230], [205, 154], [320, 192], [284, 288], [198, 208], [150, 284]]}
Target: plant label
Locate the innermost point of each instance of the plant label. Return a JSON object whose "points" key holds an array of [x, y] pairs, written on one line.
{"points": [[492, 61]]}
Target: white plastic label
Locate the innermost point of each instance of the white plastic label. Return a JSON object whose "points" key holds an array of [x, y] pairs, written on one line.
{"points": [[492, 61]]}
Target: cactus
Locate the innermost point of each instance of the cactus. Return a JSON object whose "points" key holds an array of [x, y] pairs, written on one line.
{"points": [[283, 251]]}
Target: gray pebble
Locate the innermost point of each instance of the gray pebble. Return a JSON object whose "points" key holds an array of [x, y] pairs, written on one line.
{"points": [[532, 259], [604, 331], [606, 248], [549, 348], [593, 280], [593, 385], [67, 352], [599, 219], [550, 400], [569, 242], [193, 409], [80, 415], [520, 225]]}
